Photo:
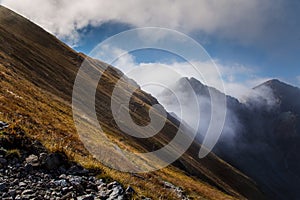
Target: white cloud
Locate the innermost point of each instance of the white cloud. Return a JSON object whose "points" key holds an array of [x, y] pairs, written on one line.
{"points": [[231, 18], [262, 98]]}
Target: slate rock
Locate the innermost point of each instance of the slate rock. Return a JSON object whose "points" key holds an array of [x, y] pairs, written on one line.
{"points": [[27, 192], [54, 161], [3, 187], [86, 197], [33, 160]]}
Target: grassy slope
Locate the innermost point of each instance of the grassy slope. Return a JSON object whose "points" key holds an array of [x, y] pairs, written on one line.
{"points": [[37, 75]]}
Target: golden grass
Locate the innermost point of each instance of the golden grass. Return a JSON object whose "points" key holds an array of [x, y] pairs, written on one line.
{"points": [[47, 118]]}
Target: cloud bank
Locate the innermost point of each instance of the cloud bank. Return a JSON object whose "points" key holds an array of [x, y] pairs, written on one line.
{"points": [[231, 19]]}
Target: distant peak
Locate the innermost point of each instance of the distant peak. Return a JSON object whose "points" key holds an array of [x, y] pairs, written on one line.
{"points": [[280, 89], [272, 83], [274, 80], [192, 81]]}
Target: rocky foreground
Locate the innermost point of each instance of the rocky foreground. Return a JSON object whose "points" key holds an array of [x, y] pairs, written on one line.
{"points": [[28, 171]]}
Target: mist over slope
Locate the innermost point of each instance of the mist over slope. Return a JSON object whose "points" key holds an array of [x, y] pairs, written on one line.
{"points": [[261, 135]]}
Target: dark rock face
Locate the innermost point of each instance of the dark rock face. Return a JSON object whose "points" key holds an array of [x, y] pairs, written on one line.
{"points": [[54, 161], [33, 173], [267, 148], [265, 144]]}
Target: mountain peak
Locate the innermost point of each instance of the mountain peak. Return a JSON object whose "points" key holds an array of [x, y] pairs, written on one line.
{"points": [[191, 80], [285, 93], [273, 81], [275, 84], [268, 83]]}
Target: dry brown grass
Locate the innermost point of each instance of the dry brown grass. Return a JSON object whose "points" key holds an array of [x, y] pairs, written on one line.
{"points": [[47, 118]]}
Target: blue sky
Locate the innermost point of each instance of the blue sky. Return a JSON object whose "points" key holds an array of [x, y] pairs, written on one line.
{"points": [[258, 39], [277, 58]]}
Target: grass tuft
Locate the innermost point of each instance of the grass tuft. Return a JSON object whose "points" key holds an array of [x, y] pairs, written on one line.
{"points": [[13, 153]]}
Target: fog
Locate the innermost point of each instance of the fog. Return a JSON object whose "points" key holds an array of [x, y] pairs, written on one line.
{"points": [[257, 100]]}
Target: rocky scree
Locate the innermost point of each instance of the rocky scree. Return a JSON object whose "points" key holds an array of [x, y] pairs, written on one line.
{"points": [[29, 171]]}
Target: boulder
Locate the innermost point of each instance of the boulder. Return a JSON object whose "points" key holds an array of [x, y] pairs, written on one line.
{"points": [[54, 161], [33, 160]]}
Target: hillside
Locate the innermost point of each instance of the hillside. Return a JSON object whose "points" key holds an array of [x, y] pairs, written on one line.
{"points": [[37, 76], [274, 131]]}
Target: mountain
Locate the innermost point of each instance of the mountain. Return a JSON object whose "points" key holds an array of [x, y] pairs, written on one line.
{"points": [[277, 141], [261, 136], [284, 93], [37, 76]]}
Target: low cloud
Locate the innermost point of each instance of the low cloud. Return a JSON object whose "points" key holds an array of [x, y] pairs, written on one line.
{"points": [[261, 98]]}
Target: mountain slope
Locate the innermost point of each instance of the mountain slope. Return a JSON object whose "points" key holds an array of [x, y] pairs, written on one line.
{"points": [[263, 140], [280, 128], [37, 76]]}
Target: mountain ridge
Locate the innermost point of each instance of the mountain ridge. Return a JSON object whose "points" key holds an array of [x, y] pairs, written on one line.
{"points": [[266, 136]]}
